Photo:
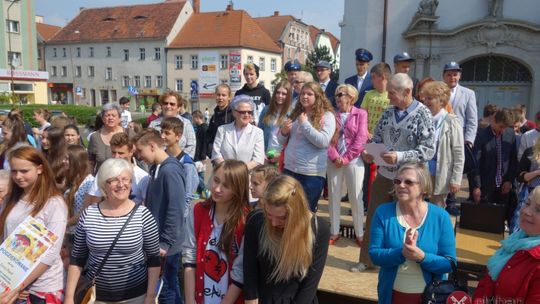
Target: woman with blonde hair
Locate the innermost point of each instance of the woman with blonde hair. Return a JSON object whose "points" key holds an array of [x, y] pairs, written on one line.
{"points": [[529, 166], [215, 230], [222, 115], [285, 247], [446, 166], [308, 133]]}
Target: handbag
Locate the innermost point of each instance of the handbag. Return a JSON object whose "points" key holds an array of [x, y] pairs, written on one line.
{"points": [[438, 291], [85, 291]]}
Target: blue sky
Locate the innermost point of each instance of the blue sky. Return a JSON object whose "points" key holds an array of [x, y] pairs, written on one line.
{"points": [[321, 13]]}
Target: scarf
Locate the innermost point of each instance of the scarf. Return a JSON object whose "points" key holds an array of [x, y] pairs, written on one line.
{"points": [[515, 242]]}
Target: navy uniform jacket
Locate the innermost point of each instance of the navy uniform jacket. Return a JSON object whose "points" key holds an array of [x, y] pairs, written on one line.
{"points": [[366, 86]]}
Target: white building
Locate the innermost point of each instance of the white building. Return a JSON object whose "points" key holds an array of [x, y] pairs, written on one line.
{"points": [[104, 52], [496, 42]]}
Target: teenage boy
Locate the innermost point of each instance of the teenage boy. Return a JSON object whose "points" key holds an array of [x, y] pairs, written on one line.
{"points": [[376, 101], [171, 132], [165, 199], [200, 152], [125, 118], [122, 147], [255, 89]]}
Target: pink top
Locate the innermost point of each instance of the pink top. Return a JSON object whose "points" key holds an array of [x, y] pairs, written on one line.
{"points": [[356, 135]]}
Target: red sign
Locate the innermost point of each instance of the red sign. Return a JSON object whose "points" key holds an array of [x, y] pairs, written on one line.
{"points": [[458, 297]]}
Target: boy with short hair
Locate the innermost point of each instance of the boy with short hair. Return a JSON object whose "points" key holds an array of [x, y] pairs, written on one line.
{"points": [[125, 117], [376, 101], [165, 199], [171, 132]]}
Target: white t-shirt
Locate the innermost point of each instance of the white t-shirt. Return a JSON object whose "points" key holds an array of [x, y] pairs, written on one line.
{"points": [[125, 118], [216, 276], [138, 186]]}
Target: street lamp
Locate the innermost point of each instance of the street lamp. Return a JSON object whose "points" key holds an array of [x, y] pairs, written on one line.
{"points": [[12, 61]]}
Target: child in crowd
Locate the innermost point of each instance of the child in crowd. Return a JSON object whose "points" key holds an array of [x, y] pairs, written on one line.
{"points": [[201, 127], [4, 185], [125, 118], [165, 188], [53, 145], [171, 132], [260, 178], [376, 100], [72, 135], [212, 251]]}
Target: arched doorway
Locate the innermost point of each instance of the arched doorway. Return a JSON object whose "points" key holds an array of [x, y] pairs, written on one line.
{"points": [[497, 80]]}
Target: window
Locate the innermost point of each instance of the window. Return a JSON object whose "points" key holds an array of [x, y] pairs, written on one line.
{"points": [[179, 85], [12, 26], [39, 54], [137, 81], [78, 71], [126, 55], [64, 71], [148, 81], [109, 52], [262, 63], [78, 52], [273, 64], [83, 93], [108, 74], [64, 53], [159, 81], [224, 62], [54, 52], [53, 71], [14, 58], [125, 81], [142, 54], [194, 62], [249, 59], [157, 53], [113, 95], [91, 71], [91, 51], [178, 62]]}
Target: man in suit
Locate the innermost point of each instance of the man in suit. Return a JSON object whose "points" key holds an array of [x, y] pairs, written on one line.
{"points": [[402, 64], [463, 102], [496, 153], [362, 79], [323, 70]]}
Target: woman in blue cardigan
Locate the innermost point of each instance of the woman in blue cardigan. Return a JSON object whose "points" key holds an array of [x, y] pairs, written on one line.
{"points": [[410, 239]]}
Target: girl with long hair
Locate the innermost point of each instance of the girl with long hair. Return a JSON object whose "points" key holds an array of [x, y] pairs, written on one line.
{"points": [[273, 116], [14, 133], [72, 135], [53, 145], [212, 253], [529, 166], [79, 181], [285, 247], [34, 193], [308, 134]]}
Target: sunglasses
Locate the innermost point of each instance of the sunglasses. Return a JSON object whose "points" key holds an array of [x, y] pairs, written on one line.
{"points": [[244, 112], [341, 94], [407, 182], [173, 104]]}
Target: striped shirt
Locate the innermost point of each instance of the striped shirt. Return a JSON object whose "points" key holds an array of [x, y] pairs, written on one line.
{"points": [[124, 274]]}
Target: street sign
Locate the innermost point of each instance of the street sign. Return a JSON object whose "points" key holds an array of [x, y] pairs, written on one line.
{"points": [[132, 90], [78, 91], [194, 90]]}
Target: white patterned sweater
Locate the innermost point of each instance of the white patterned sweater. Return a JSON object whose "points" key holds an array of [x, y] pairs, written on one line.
{"points": [[413, 138]]}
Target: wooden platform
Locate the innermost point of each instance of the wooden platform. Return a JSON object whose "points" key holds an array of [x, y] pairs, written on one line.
{"points": [[476, 247]]}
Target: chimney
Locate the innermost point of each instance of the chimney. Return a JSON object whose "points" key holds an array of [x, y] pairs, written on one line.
{"points": [[81, 8], [196, 6], [229, 7], [276, 13]]}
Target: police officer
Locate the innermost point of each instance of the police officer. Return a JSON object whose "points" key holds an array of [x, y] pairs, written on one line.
{"points": [[362, 79]]}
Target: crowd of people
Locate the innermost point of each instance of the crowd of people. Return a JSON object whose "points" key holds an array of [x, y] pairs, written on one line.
{"points": [[132, 209]]}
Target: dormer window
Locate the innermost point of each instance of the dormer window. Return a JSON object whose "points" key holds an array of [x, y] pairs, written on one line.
{"points": [[140, 17]]}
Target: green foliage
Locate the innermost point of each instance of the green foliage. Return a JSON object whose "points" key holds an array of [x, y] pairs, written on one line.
{"points": [[83, 114], [319, 54]]}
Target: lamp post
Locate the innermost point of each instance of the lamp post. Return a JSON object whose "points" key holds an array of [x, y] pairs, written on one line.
{"points": [[11, 62]]}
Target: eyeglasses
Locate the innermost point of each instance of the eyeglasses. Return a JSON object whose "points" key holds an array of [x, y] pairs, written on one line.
{"points": [[341, 94], [172, 104], [407, 182], [244, 112], [115, 182]]}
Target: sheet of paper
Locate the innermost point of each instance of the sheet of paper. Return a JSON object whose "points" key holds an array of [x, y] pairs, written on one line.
{"points": [[375, 150]]}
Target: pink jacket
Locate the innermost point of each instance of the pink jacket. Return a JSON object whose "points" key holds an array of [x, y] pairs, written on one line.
{"points": [[356, 135]]}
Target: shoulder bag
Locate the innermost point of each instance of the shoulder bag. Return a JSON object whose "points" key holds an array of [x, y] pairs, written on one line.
{"points": [[438, 291], [85, 291]]}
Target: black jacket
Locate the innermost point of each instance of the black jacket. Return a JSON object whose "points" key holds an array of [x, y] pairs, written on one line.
{"points": [[220, 117]]}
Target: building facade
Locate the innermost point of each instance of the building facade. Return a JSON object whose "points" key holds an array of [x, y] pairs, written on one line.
{"points": [[496, 42], [106, 53], [19, 73], [321, 38]]}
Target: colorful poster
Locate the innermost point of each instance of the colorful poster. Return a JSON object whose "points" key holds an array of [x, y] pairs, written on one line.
{"points": [[208, 74], [21, 252], [235, 69]]}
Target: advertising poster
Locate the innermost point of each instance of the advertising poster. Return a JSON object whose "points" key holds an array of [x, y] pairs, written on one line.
{"points": [[235, 70], [208, 73], [21, 252]]}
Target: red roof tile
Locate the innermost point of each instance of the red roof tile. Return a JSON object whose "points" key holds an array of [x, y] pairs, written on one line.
{"points": [[46, 31], [234, 28], [148, 21], [274, 25]]}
